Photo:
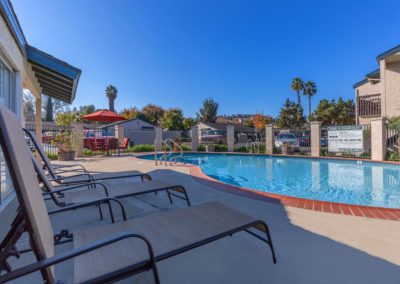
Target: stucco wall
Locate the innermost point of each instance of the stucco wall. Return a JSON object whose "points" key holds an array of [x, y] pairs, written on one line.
{"points": [[10, 52], [392, 86], [369, 89]]}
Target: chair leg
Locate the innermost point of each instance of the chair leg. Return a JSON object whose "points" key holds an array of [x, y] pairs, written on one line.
{"points": [[111, 212], [270, 242], [169, 196], [101, 212]]}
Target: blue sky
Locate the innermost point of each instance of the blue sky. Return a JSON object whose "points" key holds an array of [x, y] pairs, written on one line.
{"points": [[243, 54]]}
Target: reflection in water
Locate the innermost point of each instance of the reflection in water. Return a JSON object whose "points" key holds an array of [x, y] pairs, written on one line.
{"points": [[269, 169], [342, 176], [377, 184], [315, 176]]}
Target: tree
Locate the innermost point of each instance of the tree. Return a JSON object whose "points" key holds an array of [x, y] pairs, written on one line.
{"points": [[153, 113], [51, 107], [48, 115], [130, 113], [309, 90], [28, 106], [209, 111], [188, 123], [111, 93], [332, 113], [260, 120], [172, 119], [291, 115], [86, 109], [297, 86]]}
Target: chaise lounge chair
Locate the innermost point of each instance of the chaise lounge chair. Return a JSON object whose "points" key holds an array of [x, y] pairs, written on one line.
{"points": [[111, 252], [87, 192], [58, 172]]}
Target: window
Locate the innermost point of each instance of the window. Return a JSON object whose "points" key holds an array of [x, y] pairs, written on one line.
{"points": [[7, 98]]}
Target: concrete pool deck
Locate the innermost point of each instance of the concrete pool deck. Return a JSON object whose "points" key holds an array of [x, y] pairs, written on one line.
{"points": [[312, 247]]}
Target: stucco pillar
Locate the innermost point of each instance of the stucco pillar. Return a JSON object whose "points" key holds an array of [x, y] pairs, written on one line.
{"points": [[378, 139], [195, 138], [230, 137], [269, 139], [315, 138], [120, 133], [158, 140], [77, 139]]}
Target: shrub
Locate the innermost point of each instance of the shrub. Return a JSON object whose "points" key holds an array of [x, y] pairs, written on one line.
{"points": [[88, 152], [186, 148], [242, 149], [277, 150], [393, 156], [52, 156], [142, 148], [201, 148], [220, 148]]}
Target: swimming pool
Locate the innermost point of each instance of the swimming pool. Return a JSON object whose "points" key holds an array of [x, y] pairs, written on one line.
{"points": [[352, 182]]}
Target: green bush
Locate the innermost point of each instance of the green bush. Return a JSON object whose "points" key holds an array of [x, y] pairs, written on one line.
{"points": [[242, 149], [393, 156], [141, 148], [186, 148], [52, 156], [201, 148], [277, 150], [88, 152], [220, 148]]}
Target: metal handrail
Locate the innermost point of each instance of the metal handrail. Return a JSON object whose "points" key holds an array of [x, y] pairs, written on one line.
{"points": [[167, 157], [250, 144]]}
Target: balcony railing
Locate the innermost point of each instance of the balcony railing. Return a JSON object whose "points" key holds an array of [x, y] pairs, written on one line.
{"points": [[369, 105]]}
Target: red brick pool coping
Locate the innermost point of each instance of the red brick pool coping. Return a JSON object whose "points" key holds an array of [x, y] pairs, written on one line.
{"points": [[303, 203], [315, 205]]}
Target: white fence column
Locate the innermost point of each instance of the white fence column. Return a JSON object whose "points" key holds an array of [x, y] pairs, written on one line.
{"points": [[158, 140], [230, 137], [315, 138], [120, 133], [77, 139], [195, 138], [269, 139], [378, 139]]}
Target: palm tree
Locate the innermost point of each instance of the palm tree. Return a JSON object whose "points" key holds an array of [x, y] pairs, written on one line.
{"points": [[111, 93], [309, 90], [297, 86]]}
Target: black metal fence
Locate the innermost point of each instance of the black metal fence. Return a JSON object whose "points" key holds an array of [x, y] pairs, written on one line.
{"points": [[393, 141], [52, 135]]}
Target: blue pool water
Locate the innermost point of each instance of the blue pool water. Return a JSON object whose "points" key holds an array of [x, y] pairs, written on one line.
{"points": [[353, 182]]}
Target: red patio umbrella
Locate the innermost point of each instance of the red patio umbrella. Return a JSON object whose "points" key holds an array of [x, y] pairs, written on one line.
{"points": [[104, 115]]}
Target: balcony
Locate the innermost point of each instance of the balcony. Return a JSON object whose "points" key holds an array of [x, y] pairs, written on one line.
{"points": [[369, 105]]}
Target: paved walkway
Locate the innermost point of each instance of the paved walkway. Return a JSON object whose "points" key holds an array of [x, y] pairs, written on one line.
{"points": [[312, 247]]}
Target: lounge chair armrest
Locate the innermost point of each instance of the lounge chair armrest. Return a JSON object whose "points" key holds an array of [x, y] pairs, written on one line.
{"points": [[60, 179], [59, 166], [60, 190], [142, 175], [91, 203], [76, 252]]}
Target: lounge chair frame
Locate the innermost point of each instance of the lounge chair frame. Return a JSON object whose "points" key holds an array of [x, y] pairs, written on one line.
{"points": [[25, 222], [82, 172]]}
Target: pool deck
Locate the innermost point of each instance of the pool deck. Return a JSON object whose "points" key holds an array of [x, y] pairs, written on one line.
{"points": [[312, 246]]}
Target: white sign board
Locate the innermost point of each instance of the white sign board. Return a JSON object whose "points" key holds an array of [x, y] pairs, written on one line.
{"points": [[345, 139]]}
